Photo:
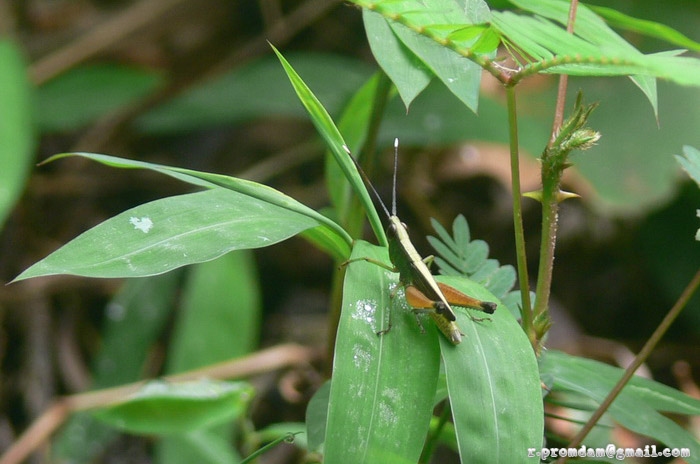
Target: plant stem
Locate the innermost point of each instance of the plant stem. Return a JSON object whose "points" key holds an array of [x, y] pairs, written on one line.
{"points": [[526, 309], [550, 203], [649, 346], [563, 79], [550, 223]]}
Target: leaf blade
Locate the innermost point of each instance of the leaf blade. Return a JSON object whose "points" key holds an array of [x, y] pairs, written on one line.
{"points": [[165, 234], [493, 383], [382, 385]]}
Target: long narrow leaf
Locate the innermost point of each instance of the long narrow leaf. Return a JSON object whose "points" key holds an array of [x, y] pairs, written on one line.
{"points": [[493, 383], [648, 28], [382, 385], [408, 73], [165, 234], [326, 127]]}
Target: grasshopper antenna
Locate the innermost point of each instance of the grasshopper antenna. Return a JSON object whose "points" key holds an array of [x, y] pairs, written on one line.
{"points": [[369, 183]]}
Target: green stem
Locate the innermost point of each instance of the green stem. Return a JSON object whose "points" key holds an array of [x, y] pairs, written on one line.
{"points": [[550, 210], [526, 309], [551, 179]]}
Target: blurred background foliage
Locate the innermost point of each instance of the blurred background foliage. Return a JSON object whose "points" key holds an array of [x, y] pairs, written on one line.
{"points": [[194, 84]]}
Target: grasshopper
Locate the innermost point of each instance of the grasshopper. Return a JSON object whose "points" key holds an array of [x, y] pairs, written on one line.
{"points": [[423, 292]]}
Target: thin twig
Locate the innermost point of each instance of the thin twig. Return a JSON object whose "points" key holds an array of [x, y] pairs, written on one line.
{"points": [[638, 361]]}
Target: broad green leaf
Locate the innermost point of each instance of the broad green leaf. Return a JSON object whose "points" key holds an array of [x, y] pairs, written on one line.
{"points": [[493, 383], [330, 134], [165, 234], [335, 238], [406, 70], [594, 49], [82, 95], [639, 405], [649, 28], [161, 408], [459, 74], [134, 320], [257, 90], [383, 385], [16, 126]]}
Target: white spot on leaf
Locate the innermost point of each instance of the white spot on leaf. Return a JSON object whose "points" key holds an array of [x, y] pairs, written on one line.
{"points": [[143, 224]]}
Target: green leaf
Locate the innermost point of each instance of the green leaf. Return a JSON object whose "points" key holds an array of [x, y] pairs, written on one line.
{"points": [[82, 95], [382, 387], [134, 320], [645, 27], [336, 239], [330, 134], [637, 407], [162, 408], [460, 75], [408, 72], [461, 256], [420, 50], [165, 234], [493, 383], [593, 50], [16, 126]]}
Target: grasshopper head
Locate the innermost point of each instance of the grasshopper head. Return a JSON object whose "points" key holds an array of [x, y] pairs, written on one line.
{"points": [[396, 229]]}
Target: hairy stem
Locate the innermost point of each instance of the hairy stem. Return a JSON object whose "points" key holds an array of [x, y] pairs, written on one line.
{"points": [[550, 203]]}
